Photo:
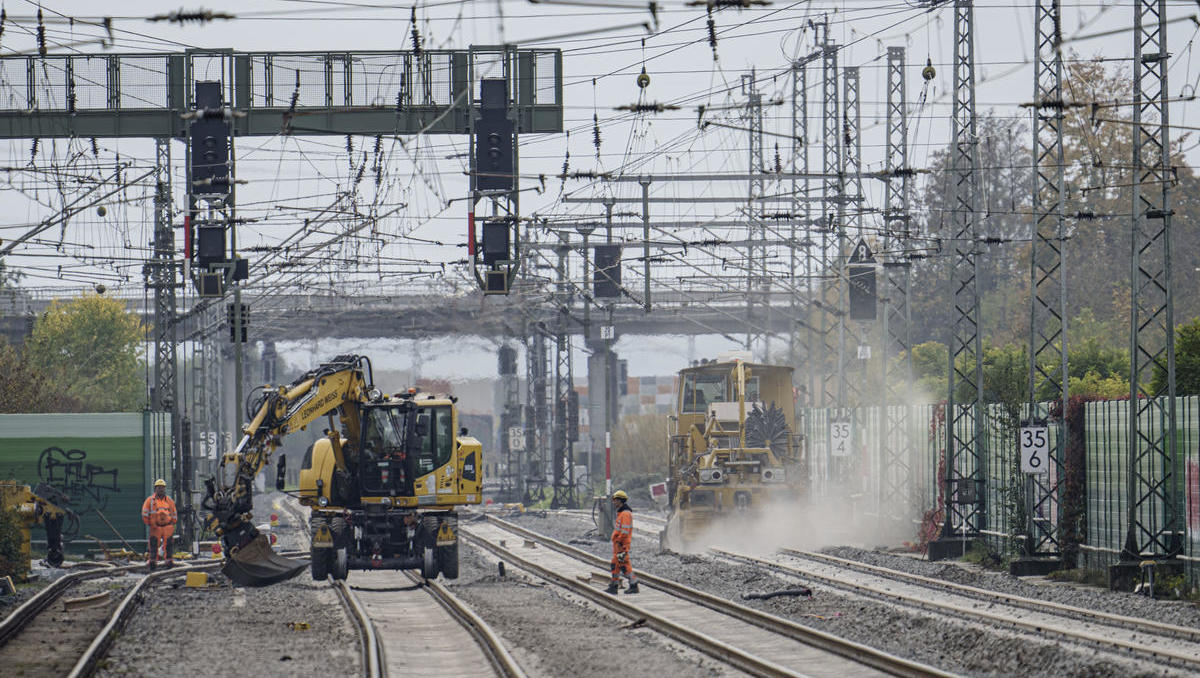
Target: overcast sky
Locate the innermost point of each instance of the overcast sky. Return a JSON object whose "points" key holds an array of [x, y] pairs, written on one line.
{"points": [[291, 177]]}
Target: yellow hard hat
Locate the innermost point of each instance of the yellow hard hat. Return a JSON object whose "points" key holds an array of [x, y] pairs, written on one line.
{"points": [[160, 481], [620, 494]]}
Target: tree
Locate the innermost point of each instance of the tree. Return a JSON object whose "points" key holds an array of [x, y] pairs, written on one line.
{"points": [[25, 389], [1004, 193], [89, 348], [929, 362], [1187, 362]]}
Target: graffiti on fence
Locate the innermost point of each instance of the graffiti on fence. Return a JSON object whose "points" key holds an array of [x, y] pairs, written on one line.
{"points": [[67, 479]]}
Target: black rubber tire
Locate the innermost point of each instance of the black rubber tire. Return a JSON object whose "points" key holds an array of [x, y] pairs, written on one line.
{"points": [[320, 560], [339, 566], [429, 569], [447, 559]]}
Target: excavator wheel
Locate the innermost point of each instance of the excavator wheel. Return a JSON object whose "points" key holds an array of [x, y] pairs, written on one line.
{"points": [[320, 558], [429, 567], [340, 558], [447, 558], [319, 563]]}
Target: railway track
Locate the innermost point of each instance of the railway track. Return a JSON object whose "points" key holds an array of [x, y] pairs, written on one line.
{"points": [[752, 641], [44, 637], [1125, 637], [412, 626]]}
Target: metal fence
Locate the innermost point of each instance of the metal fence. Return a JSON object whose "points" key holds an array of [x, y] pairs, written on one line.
{"points": [[846, 463]]}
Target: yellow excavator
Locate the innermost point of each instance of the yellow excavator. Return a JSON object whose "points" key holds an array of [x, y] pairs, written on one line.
{"points": [[383, 487], [32, 509], [733, 449]]}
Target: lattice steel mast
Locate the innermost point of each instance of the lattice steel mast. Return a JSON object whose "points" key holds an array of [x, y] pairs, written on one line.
{"points": [[1155, 528], [831, 194], [896, 483], [755, 249], [1047, 320], [564, 462], [965, 514], [800, 212], [850, 335]]}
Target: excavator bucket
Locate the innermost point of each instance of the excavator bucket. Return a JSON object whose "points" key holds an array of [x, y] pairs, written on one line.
{"points": [[255, 564]]}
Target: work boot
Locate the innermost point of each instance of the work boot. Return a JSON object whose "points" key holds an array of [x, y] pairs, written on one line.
{"points": [[633, 588], [612, 589], [170, 562]]}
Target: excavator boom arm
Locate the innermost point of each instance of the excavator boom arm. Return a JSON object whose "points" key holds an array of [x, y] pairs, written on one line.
{"points": [[342, 383]]}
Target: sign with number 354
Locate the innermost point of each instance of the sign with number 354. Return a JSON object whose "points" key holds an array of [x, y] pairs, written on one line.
{"points": [[1035, 449]]}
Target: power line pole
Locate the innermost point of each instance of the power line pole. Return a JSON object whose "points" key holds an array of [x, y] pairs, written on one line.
{"points": [[831, 192], [897, 374], [1048, 301], [757, 186], [161, 277], [799, 164], [851, 337], [965, 496], [1154, 526], [563, 472]]}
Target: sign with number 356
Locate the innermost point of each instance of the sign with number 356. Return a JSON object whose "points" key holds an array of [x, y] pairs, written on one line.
{"points": [[1035, 449]]}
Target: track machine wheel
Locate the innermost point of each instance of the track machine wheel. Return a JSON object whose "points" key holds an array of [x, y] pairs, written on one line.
{"points": [[447, 560], [340, 558], [320, 559], [429, 566], [319, 562]]}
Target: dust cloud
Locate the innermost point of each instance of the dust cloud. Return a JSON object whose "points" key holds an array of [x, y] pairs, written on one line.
{"points": [[806, 525]]}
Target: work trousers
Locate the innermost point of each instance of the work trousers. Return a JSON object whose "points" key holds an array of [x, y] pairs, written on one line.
{"points": [[621, 563], [160, 540]]}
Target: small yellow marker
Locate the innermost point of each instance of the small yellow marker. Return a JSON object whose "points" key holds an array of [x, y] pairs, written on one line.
{"points": [[196, 580]]}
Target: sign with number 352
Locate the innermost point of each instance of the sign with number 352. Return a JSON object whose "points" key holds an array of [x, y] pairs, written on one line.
{"points": [[1035, 449]]}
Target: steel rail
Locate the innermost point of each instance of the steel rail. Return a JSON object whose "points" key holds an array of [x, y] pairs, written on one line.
{"points": [[488, 640], [86, 664], [373, 659], [1044, 606], [374, 651], [20, 617], [699, 641], [863, 654], [1126, 649]]}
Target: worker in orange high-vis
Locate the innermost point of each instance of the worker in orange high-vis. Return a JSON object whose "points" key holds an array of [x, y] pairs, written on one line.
{"points": [[622, 537], [158, 512]]}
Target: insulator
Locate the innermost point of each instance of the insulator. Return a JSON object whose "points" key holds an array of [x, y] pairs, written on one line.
{"points": [[41, 34], [95, 148], [929, 73], [643, 79], [712, 34], [33, 150], [596, 133]]}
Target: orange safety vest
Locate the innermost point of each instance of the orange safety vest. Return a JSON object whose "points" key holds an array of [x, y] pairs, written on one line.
{"points": [[623, 526], [155, 511]]}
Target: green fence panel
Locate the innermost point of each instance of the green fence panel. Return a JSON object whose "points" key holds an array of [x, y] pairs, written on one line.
{"points": [[96, 459]]}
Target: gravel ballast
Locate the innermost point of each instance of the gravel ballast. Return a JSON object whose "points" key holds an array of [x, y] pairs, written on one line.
{"points": [[952, 645], [228, 631], [552, 633], [1180, 613]]}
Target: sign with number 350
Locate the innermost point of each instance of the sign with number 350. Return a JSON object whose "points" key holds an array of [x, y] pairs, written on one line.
{"points": [[1035, 450]]}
